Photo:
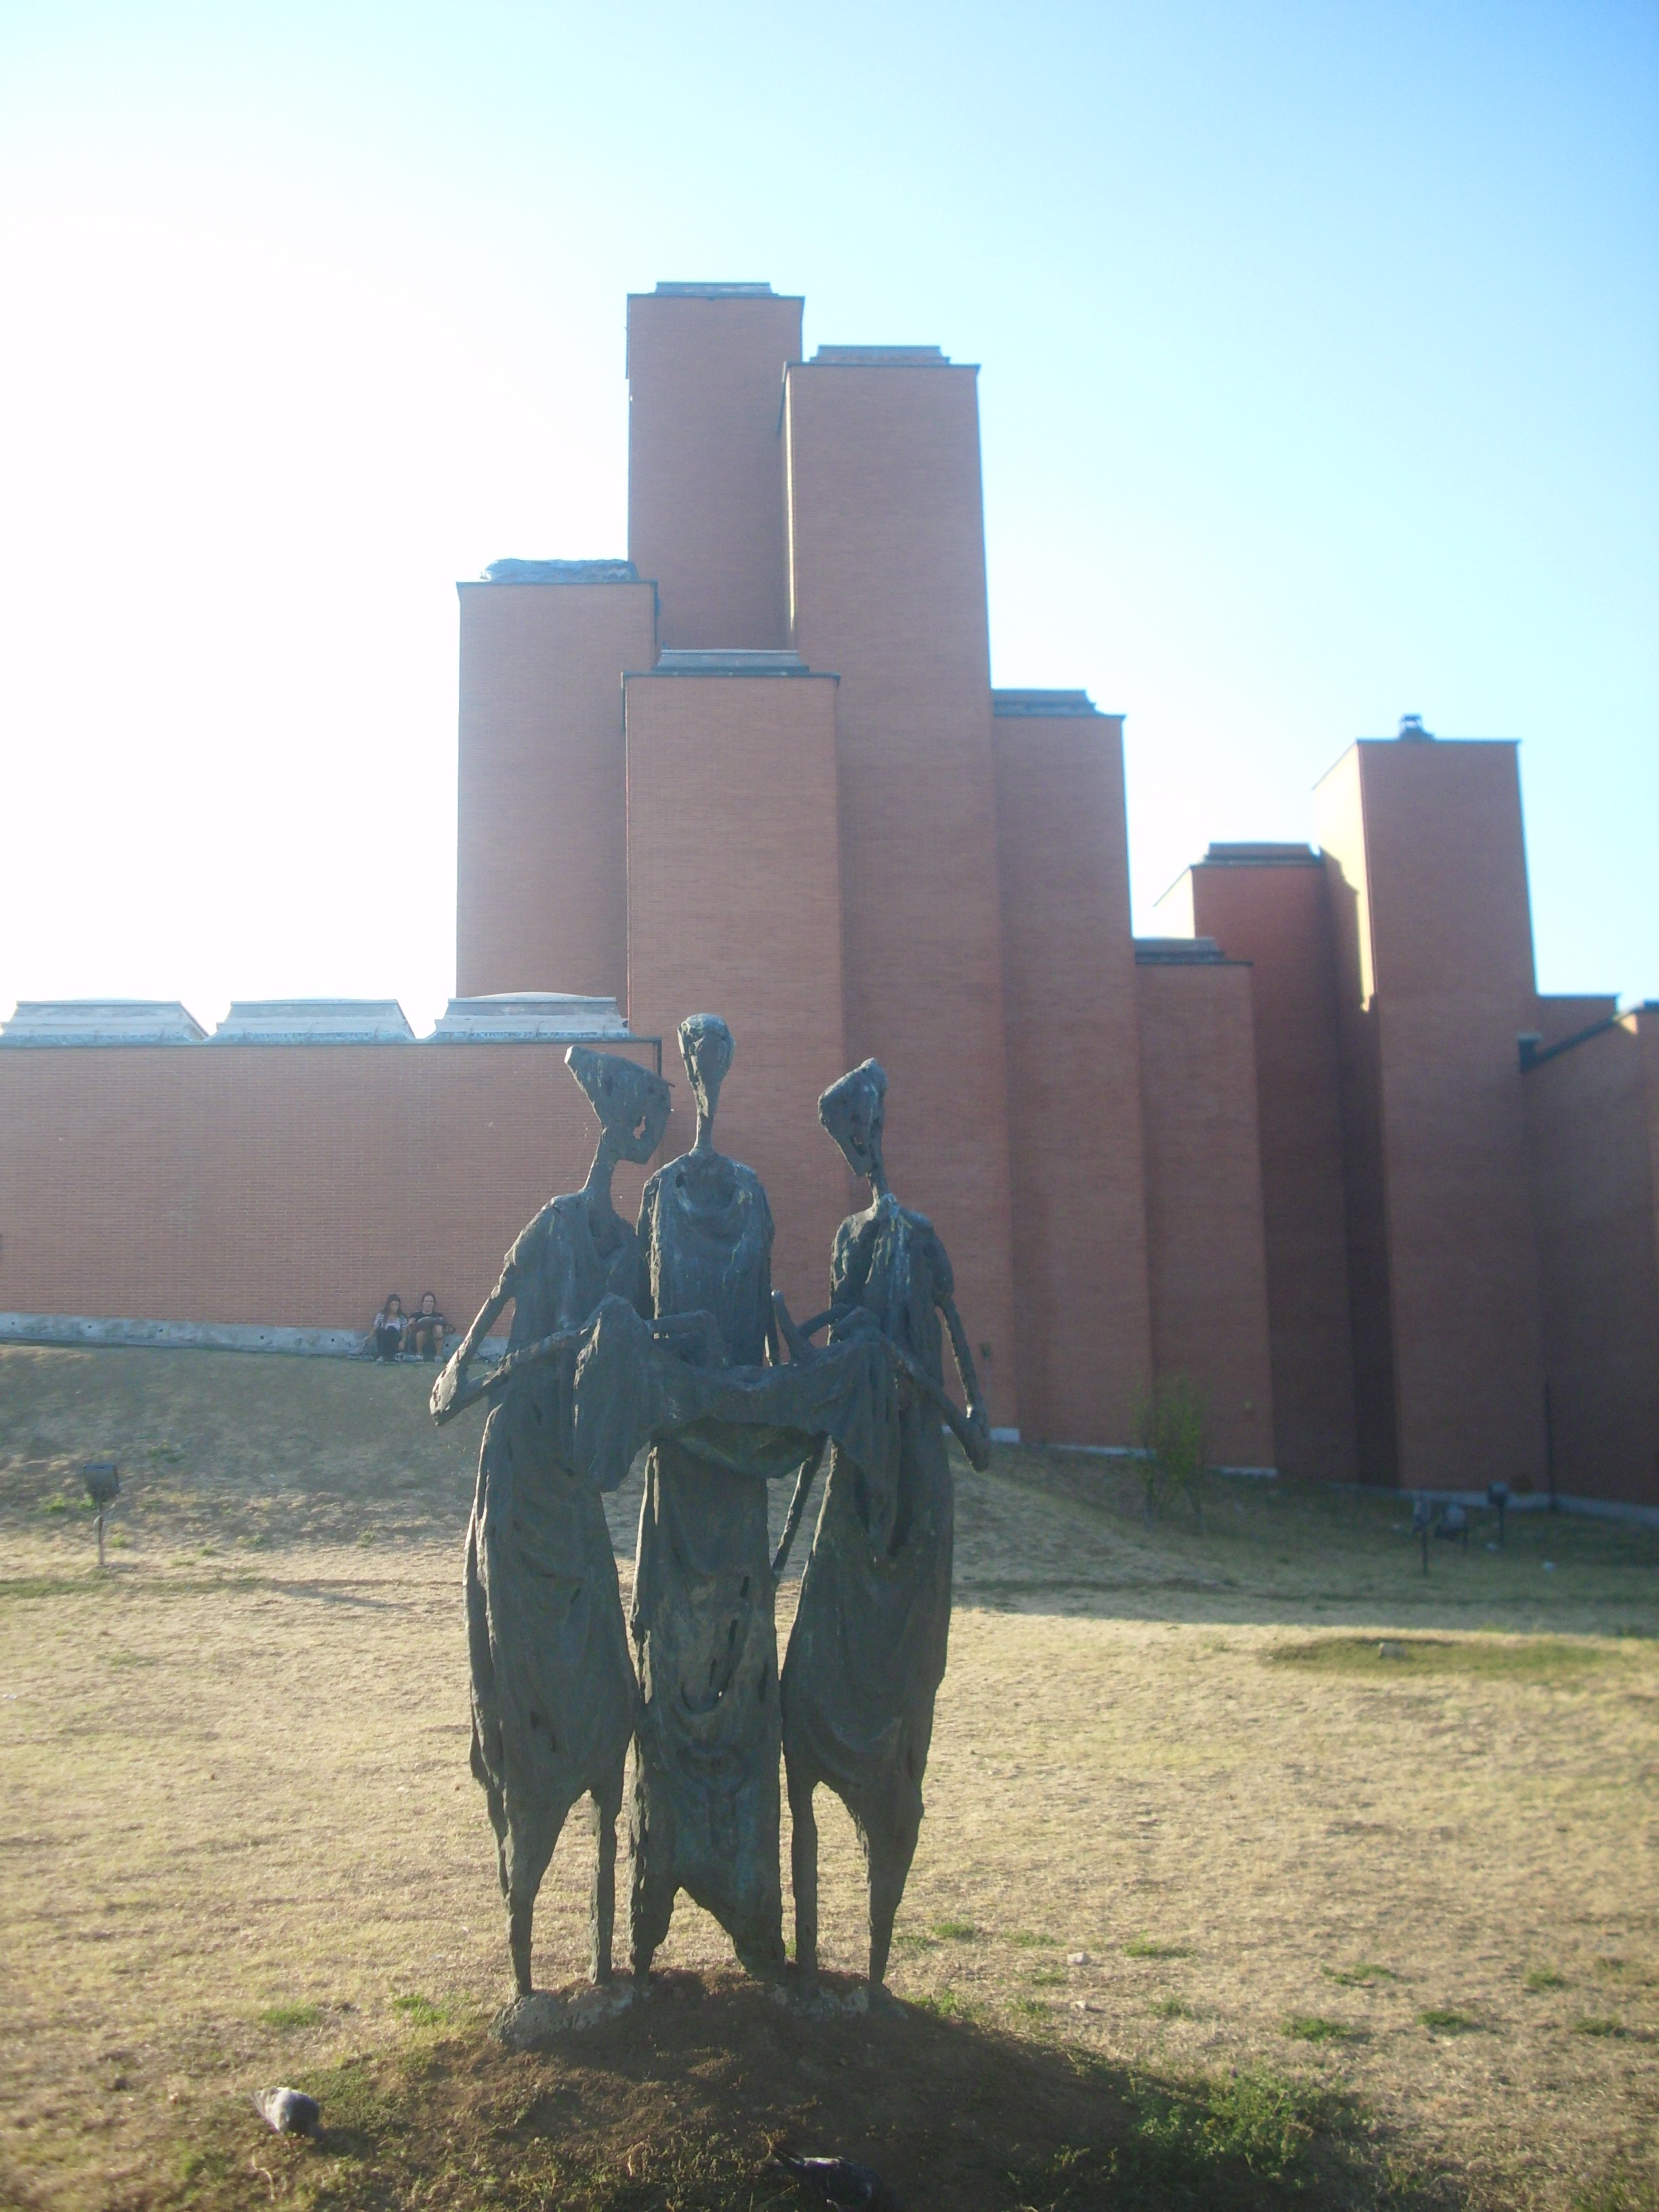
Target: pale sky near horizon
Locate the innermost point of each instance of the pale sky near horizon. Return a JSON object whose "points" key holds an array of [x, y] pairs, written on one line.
{"points": [[1319, 361]]}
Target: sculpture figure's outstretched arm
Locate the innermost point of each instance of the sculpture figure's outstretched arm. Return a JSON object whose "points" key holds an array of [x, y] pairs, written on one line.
{"points": [[452, 1376], [797, 1334], [968, 1375]]}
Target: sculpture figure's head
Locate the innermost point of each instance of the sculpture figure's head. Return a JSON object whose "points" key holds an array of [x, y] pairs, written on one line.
{"points": [[706, 1046], [631, 1102], [853, 1111]]}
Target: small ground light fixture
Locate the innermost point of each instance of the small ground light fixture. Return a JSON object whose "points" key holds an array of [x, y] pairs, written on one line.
{"points": [[103, 1480], [1422, 1522], [1453, 1524]]}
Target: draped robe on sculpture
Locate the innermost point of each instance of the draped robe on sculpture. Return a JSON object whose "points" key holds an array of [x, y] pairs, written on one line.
{"points": [[868, 1651], [553, 1687], [704, 1811]]}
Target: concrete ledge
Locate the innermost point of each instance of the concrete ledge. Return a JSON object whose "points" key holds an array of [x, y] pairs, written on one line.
{"points": [[1138, 1451], [194, 1335], [1530, 1501]]}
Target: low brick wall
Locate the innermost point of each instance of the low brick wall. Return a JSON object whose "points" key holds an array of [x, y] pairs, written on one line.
{"points": [[278, 1186]]}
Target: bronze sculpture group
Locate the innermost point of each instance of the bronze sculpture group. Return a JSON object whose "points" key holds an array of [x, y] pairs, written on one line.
{"points": [[668, 1337]]}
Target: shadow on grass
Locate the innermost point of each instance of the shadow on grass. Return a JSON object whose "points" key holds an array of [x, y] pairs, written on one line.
{"points": [[675, 2106]]}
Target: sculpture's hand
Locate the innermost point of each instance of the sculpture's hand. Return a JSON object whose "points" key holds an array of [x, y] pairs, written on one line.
{"points": [[451, 1376], [976, 1438], [447, 1400]]}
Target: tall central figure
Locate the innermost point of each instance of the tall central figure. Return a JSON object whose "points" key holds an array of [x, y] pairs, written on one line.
{"points": [[704, 1812]]}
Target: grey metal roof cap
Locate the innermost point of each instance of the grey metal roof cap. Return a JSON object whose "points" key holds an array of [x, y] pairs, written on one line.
{"points": [[102, 1021], [849, 357], [314, 1021], [724, 661], [528, 1018], [694, 289], [1179, 953], [1261, 856], [1069, 705], [561, 572]]}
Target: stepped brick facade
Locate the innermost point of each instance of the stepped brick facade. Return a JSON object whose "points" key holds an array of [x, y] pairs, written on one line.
{"points": [[1322, 1149]]}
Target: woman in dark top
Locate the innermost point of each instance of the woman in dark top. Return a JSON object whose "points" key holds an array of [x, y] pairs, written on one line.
{"points": [[386, 1337]]}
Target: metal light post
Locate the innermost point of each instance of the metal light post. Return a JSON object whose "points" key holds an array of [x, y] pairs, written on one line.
{"points": [[1498, 1496], [103, 1480], [1422, 1521]]}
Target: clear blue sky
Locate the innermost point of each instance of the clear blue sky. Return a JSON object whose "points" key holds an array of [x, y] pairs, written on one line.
{"points": [[1320, 347]]}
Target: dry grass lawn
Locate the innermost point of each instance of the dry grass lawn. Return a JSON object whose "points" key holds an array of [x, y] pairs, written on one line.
{"points": [[1255, 1848]]}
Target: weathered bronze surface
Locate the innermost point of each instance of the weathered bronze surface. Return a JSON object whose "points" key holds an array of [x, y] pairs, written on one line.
{"points": [[553, 1689], [868, 1651], [667, 1339], [703, 1812]]}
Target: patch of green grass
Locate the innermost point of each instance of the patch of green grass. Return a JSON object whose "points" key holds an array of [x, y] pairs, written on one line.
{"points": [[1049, 1977], [1174, 2009], [1148, 1947], [1357, 1977], [1314, 2027], [1544, 1978], [31, 1586], [1442, 2019], [956, 1931], [949, 2005], [1618, 2193], [55, 1505], [1522, 1659], [199, 2165], [1032, 2007], [421, 2012], [912, 1939], [286, 2017], [1028, 1942], [1614, 2029], [1243, 2143]]}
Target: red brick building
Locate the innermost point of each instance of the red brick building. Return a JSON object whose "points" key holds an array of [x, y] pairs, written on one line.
{"points": [[1322, 1149]]}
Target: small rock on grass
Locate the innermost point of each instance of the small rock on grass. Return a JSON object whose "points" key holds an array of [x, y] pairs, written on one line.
{"points": [[529, 2021], [287, 2112]]}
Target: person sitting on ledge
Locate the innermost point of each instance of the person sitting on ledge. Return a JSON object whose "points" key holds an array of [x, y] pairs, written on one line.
{"points": [[423, 1339], [386, 1338]]}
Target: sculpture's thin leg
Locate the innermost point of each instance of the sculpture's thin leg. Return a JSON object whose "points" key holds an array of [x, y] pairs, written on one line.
{"points": [[606, 1808], [804, 1877], [886, 1889], [520, 1914], [890, 1845], [529, 1849], [652, 1906]]}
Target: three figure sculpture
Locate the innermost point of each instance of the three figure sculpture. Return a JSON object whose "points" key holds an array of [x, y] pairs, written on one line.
{"points": [[669, 1336]]}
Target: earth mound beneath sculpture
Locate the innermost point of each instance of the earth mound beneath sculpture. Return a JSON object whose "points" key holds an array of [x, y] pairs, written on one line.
{"points": [[674, 2104]]}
